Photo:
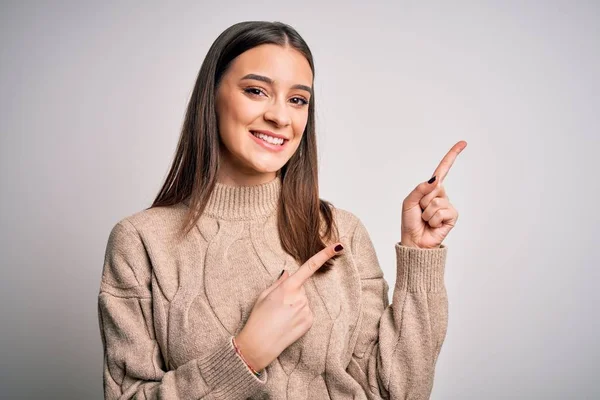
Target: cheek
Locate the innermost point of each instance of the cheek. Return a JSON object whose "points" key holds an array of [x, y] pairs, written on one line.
{"points": [[234, 116], [299, 124], [242, 111]]}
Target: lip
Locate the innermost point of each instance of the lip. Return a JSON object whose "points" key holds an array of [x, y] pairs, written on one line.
{"points": [[269, 133], [269, 146]]}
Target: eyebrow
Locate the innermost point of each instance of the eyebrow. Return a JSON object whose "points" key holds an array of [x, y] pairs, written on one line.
{"points": [[268, 80]]}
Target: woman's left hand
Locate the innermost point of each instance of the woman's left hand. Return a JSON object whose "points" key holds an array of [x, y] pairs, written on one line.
{"points": [[427, 215]]}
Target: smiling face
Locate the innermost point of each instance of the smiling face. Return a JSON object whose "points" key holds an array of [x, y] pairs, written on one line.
{"points": [[262, 110]]}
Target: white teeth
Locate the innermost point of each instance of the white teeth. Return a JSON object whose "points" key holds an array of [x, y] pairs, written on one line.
{"points": [[268, 139]]}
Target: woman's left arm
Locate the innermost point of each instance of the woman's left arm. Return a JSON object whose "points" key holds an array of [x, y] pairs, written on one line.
{"points": [[398, 344]]}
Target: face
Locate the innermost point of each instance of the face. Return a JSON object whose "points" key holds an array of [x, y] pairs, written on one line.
{"points": [[262, 110]]}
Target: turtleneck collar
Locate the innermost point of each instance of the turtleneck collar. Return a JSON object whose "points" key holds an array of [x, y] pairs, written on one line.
{"points": [[243, 202]]}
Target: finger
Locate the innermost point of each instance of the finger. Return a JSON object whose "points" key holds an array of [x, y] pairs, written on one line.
{"points": [[439, 191], [307, 269], [414, 197], [442, 170], [284, 275], [441, 217], [435, 205]]}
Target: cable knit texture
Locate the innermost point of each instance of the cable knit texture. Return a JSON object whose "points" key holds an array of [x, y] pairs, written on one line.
{"points": [[168, 308]]}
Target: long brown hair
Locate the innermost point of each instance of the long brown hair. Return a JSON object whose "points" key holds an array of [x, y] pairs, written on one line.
{"points": [[305, 222]]}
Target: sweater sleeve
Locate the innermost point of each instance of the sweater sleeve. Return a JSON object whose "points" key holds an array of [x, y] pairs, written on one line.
{"points": [[133, 363], [398, 344]]}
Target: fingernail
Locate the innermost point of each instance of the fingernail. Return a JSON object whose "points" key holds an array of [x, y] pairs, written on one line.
{"points": [[338, 248], [431, 180], [282, 271]]}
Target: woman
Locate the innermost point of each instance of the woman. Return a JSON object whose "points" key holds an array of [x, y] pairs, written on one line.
{"points": [[239, 282]]}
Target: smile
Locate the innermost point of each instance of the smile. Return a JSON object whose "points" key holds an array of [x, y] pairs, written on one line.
{"points": [[268, 139], [269, 142]]}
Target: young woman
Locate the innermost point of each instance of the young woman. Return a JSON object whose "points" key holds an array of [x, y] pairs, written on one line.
{"points": [[240, 282]]}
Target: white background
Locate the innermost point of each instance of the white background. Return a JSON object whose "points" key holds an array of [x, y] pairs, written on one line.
{"points": [[92, 101]]}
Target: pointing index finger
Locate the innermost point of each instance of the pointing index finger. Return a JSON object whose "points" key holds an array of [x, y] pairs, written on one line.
{"points": [[442, 170], [308, 269]]}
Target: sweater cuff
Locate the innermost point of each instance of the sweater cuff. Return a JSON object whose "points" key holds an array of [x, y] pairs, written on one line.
{"points": [[420, 270], [227, 374]]}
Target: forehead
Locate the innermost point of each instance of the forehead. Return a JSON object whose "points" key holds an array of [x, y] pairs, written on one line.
{"points": [[285, 65]]}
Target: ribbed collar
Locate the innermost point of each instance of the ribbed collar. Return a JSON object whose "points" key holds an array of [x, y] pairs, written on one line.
{"points": [[243, 202]]}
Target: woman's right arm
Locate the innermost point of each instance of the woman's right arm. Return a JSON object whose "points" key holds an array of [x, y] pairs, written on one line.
{"points": [[133, 363]]}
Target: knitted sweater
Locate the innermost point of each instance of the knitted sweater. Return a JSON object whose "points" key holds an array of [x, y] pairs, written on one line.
{"points": [[168, 309]]}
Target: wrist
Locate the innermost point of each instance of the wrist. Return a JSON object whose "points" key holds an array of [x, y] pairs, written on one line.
{"points": [[247, 355], [408, 243]]}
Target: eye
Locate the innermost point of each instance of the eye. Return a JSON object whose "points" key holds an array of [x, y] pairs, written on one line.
{"points": [[299, 101], [253, 91]]}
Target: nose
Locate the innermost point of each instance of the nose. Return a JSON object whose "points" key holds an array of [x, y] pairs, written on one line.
{"points": [[278, 113]]}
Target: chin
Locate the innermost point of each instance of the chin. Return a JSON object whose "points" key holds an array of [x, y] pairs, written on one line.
{"points": [[267, 165], [266, 169]]}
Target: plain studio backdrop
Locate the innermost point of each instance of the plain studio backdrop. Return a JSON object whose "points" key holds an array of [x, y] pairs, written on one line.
{"points": [[93, 98]]}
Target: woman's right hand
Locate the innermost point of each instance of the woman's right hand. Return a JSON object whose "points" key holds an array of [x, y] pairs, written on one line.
{"points": [[281, 314]]}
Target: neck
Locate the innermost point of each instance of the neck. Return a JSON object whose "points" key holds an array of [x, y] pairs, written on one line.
{"points": [[245, 180], [233, 174]]}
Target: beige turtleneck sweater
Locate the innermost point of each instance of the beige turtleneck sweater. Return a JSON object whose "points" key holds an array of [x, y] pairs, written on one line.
{"points": [[168, 309]]}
